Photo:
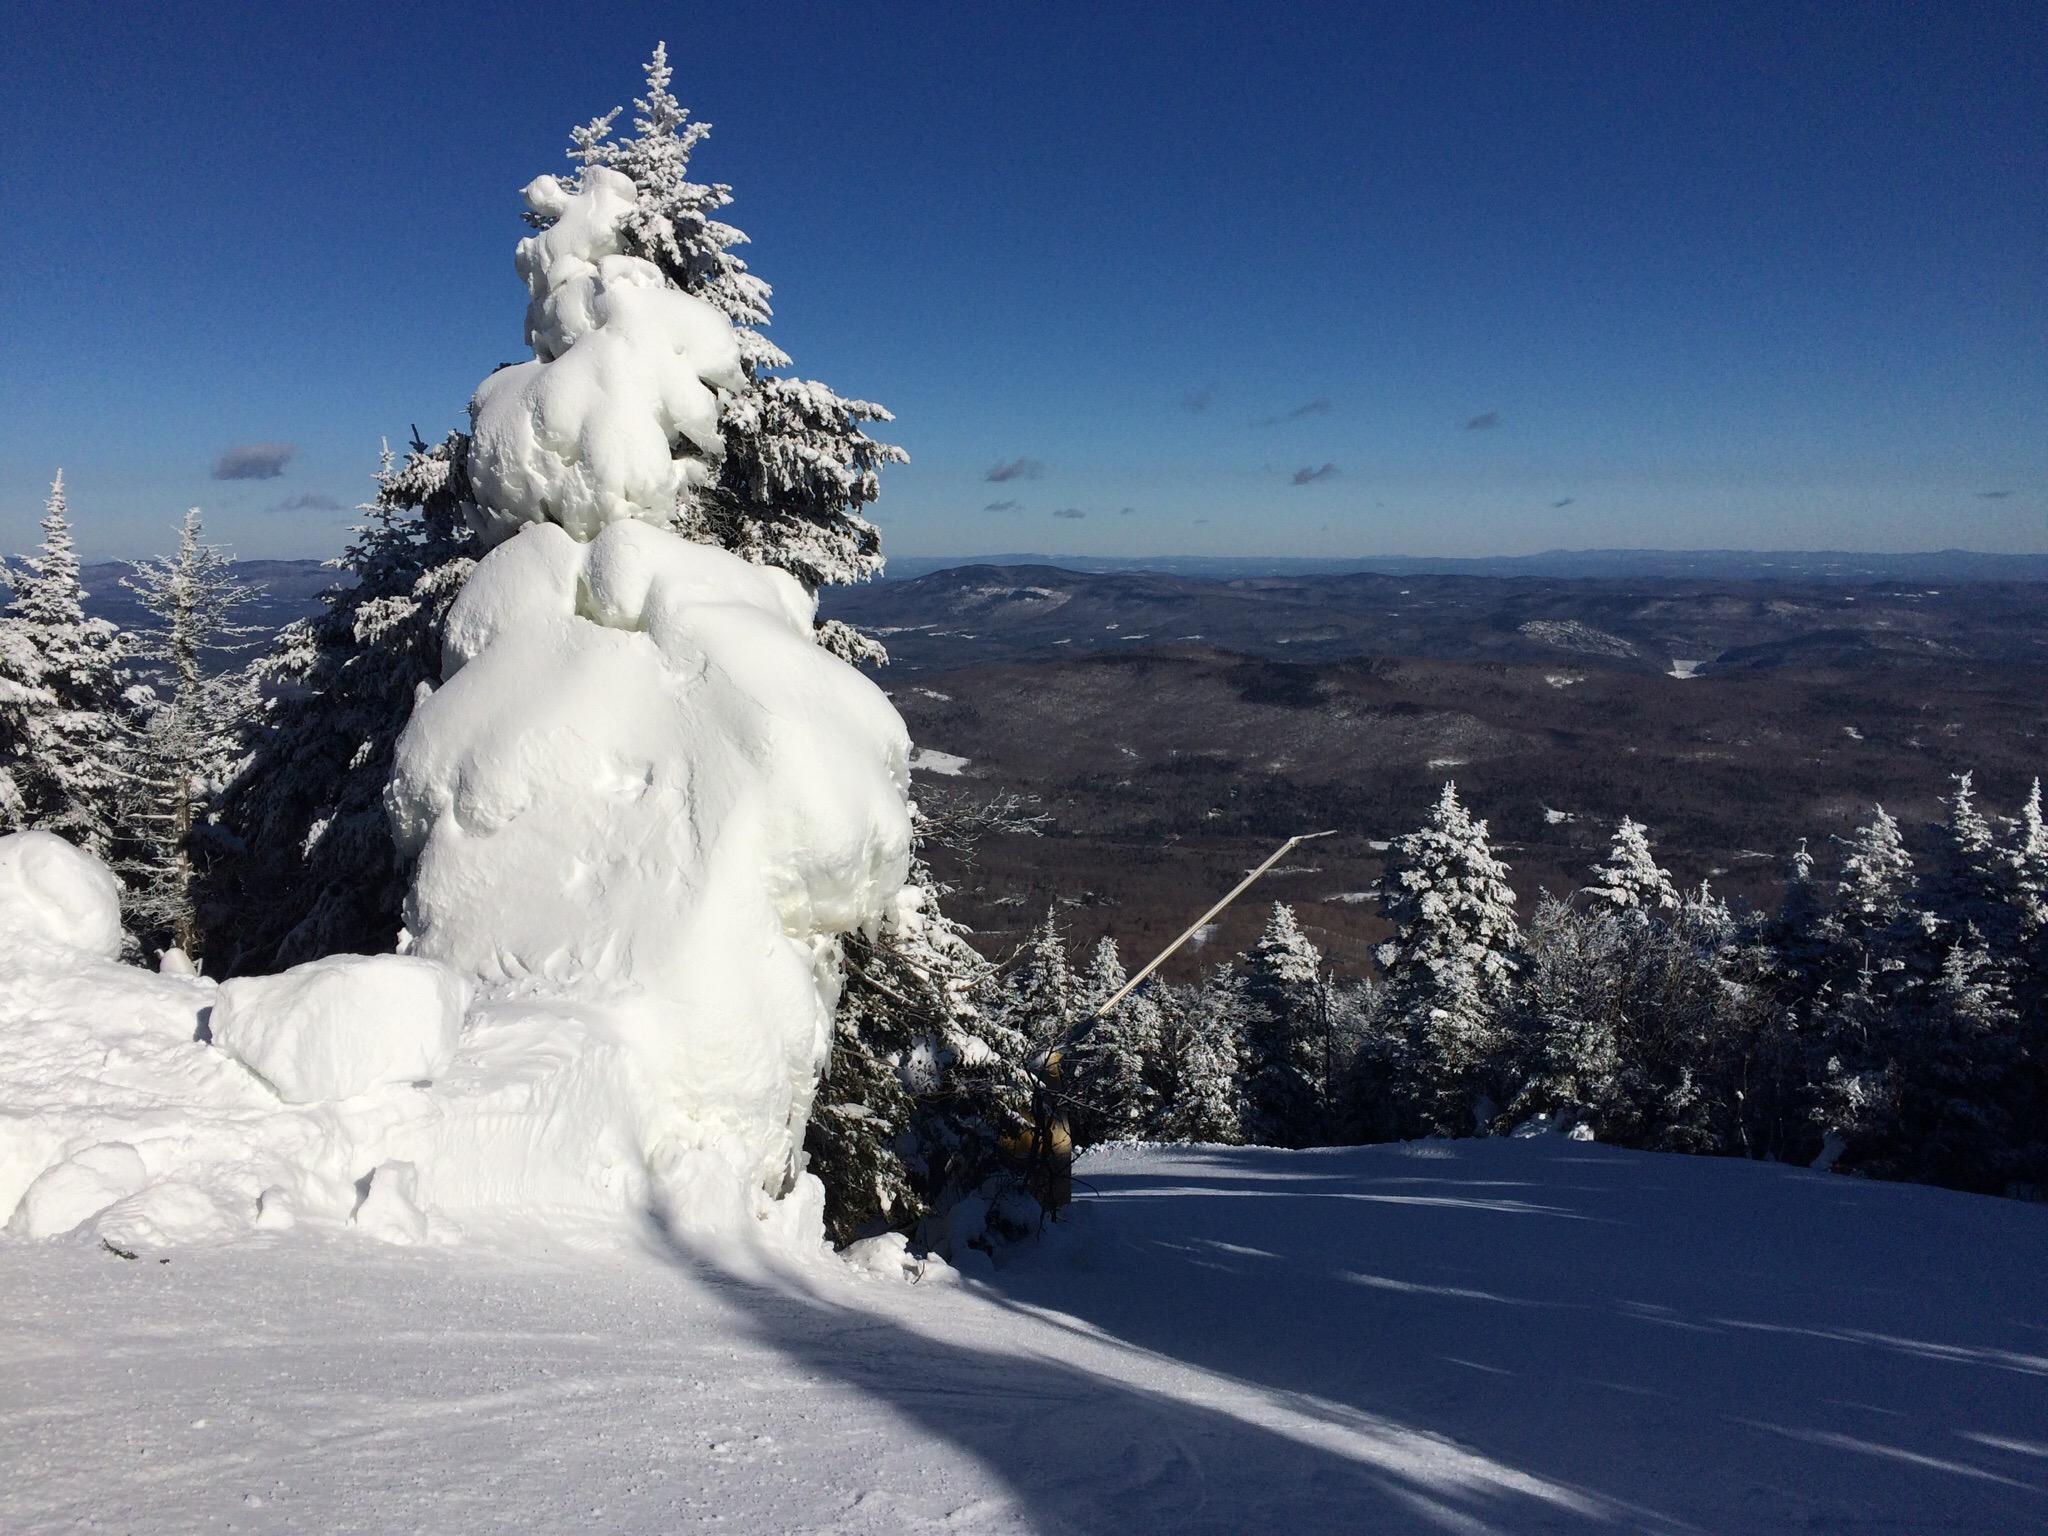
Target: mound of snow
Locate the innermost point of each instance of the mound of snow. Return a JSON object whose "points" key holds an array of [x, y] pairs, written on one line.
{"points": [[53, 893], [78, 1189], [335, 1028]]}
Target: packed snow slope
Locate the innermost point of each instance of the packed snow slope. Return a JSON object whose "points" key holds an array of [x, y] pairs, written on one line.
{"points": [[1500, 1336]]}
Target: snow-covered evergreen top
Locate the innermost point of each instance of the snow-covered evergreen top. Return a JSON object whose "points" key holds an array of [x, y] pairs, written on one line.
{"points": [[799, 466], [1449, 899], [600, 427], [1630, 878], [1876, 873]]}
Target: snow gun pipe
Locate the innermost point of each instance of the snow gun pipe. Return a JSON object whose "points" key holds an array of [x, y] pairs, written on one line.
{"points": [[1197, 925]]}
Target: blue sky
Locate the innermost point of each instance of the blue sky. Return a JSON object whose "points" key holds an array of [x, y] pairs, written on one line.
{"points": [[1523, 277]]}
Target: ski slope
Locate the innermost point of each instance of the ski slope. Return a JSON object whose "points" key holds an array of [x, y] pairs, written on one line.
{"points": [[1501, 1336]]}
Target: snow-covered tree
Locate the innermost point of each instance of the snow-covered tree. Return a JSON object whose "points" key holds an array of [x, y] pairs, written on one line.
{"points": [[309, 868], [313, 869], [1450, 962], [1938, 1094], [1629, 880], [184, 747], [1876, 876], [1203, 1095], [1043, 1001], [799, 465], [1114, 1050], [1965, 884], [925, 1085], [2026, 865], [1569, 1032], [62, 749], [23, 699], [1285, 1042]]}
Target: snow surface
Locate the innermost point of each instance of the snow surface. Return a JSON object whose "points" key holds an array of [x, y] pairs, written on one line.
{"points": [[931, 760], [1468, 1337], [52, 894]]}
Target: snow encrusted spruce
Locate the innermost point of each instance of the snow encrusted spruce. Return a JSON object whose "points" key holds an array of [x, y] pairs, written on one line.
{"points": [[310, 868], [644, 807]]}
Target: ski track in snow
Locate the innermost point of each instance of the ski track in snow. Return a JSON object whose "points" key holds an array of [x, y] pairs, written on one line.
{"points": [[1507, 1336]]}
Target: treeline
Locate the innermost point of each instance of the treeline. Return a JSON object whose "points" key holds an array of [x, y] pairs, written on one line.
{"points": [[1890, 1016]]}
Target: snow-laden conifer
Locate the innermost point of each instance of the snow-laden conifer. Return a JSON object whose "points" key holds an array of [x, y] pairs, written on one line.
{"points": [[1629, 879], [62, 670], [924, 1084], [1204, 1096], [1114, 1050], [2026, 865], [799, 465], [1876, 876], [183, 748], [23, 699], [1285, 1042], [1450, 962], [1043, 996], [310, 868]]}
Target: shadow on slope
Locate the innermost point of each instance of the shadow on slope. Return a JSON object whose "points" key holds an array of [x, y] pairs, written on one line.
{"points": [[1736, 1345], [1090, 1435]]}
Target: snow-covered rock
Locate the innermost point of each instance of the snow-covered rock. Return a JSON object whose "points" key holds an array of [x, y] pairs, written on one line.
{"points": [[54, 894], [334, 1028]]}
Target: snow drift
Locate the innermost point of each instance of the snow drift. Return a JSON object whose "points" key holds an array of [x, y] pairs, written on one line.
{"points": [[644, 804]]}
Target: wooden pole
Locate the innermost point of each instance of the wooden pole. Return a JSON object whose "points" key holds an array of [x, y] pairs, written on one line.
{"points": [[1196, 926]]}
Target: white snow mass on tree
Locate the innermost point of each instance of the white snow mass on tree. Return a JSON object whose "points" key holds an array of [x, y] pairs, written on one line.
{"points": [[645, 804], [642, 781], [624, 371]]}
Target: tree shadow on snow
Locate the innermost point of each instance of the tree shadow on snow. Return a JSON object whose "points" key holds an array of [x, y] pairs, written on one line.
{"points": [[1680, 1343], [1111, 1441]]}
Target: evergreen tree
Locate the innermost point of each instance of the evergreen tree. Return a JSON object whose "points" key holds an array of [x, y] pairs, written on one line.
{"points": [[1568, 1031], [1043, 997], [313, 870], [924, 1086], [2026, 866], [309, 868], [1630, 880], [184, 747], [1205, 1092], [1203, 1097], [1965, 887], [1449, 964], [1876, 877], [799, 466], [23, 699], [1285, 1044], [63, 746], [1114, 1051]]}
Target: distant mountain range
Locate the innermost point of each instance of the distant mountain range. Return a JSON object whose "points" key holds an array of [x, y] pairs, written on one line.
{"points": [[978, 614], [1640, 608], [1568, 564]]}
